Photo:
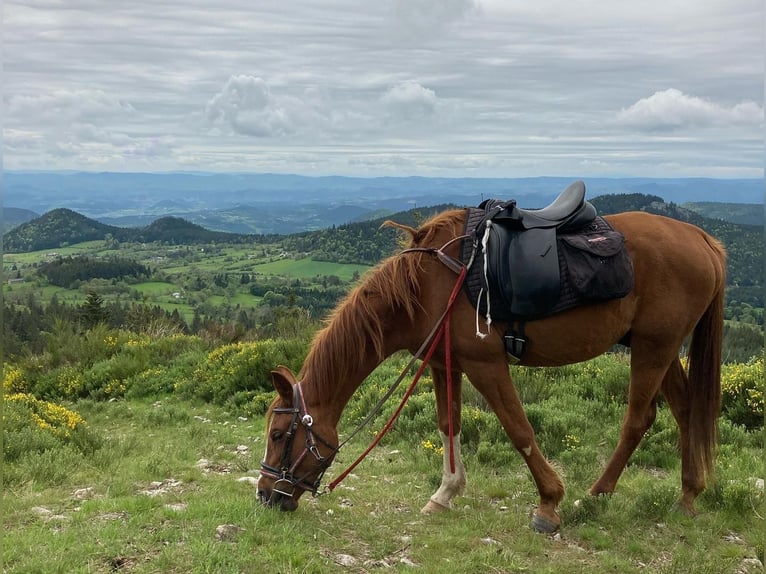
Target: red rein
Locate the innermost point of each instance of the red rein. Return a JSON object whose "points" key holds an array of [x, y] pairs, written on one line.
{"points": [[444, 330]]}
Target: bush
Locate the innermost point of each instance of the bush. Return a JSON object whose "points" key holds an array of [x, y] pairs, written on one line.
{"points": [[241, 370], [33, 425], [742, 393]]}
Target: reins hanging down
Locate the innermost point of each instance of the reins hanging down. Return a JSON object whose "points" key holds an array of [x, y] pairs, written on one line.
{"points": [[440, 330]]}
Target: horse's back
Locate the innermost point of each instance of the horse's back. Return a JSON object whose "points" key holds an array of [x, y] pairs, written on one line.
{"points": [[664, 248], [678, 271]]}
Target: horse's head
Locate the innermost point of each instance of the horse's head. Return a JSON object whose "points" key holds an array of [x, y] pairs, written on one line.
{"points": [[299, 445]]}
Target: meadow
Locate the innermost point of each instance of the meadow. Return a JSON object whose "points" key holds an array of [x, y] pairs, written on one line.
{"points": [[130, 453]]}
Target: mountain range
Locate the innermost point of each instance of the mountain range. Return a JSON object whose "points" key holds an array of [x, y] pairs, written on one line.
{"points": [[276, 203]]}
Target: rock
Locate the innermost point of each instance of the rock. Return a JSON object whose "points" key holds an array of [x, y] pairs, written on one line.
{"points": [[83, 493], [228, 532], [249, 480], [345, 560], [407, 562], [177, 506], [243, 449], [750, 565], [41, 511]]}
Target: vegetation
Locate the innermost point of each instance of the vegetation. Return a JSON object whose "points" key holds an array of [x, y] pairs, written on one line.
{"points": [[136, 381], [138, 451]]}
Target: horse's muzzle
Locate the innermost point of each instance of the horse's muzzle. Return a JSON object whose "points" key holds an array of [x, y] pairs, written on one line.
{"points": [[275, 499]]}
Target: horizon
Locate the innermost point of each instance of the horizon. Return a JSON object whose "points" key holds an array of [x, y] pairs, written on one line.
{"points": [[585, 178]]}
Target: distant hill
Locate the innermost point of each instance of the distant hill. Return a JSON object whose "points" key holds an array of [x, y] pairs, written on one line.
{"points": [[55, 229], [62, 227], [14, 216], [745, 213]]}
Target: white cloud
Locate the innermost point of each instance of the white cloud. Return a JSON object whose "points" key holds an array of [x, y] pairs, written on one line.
{"points": [[671, 109], [66, 105], [409, 101], [246, 105]]}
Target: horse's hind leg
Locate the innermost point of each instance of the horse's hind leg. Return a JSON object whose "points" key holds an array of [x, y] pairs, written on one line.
{"points": [[494, 382], [646, 375], [452, 484], [675, 388]]}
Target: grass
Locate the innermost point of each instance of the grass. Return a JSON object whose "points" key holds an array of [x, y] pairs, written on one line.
{"points": [[308, 268], [147, 502]]}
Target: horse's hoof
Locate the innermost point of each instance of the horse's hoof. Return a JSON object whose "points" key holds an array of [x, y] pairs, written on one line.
{"points": [[543, 525], [685, 510], [433, 508]]}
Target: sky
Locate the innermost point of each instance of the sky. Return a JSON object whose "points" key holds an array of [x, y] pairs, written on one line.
{"points": [[447, 88]]}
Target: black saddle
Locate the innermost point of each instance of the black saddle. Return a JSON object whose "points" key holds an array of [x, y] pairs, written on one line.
{"points": [[531, 263]]}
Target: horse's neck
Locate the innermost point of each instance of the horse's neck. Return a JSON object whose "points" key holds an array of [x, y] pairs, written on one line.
{"points": [[343, 356]]}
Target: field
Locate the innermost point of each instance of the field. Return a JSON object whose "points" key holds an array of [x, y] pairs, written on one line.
{"points": [[166, 485]]}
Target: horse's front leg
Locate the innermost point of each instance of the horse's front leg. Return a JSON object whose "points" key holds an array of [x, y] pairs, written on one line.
{"points": [[452, 484], [493, 380]]}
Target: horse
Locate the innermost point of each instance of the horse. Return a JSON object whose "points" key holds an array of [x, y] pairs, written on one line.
{"points": [[678, 291]]}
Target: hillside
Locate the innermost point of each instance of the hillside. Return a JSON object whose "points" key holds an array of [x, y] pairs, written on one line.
{"points": [[365, 243], [13, 217], [62, 227], [55, 229], [743, 213]]}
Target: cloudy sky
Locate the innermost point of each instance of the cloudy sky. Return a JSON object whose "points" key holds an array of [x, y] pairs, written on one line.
{"points": [[449, 88]]}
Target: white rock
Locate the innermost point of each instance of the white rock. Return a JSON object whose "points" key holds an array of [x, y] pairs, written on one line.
{"points": [[345, 560], [248, 479], [83, 493]]}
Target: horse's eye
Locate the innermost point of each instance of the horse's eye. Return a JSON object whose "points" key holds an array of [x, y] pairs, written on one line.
{"points": [[276, 435]]}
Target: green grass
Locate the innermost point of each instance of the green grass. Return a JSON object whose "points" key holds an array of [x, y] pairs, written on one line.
{"points": [[306, 268], [150, 461]]}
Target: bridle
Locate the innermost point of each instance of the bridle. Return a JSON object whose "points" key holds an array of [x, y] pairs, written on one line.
{"points": [[286, 481]]}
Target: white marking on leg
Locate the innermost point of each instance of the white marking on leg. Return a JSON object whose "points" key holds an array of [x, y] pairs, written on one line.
{"points": [[452, 484], [527, 450]]}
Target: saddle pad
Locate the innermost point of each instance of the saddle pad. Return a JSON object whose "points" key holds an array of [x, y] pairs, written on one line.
{"points": [[594, 266]]}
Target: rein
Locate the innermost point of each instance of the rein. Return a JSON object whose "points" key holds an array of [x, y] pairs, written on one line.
{"points": [[440, 329]]}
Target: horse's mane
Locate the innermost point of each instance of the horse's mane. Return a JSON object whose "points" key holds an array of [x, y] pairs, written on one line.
{"points": [[356, 325]]}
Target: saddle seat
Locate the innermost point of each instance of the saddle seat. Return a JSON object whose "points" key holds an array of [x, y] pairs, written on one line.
{"points": [[568, 210]]}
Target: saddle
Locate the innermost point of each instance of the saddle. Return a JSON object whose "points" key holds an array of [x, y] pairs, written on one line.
{"points": [[532, 263]]}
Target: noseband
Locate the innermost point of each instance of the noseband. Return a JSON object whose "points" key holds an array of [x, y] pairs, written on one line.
{"points": [[286, 481]]}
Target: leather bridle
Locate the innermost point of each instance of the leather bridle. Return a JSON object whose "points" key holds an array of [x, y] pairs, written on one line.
{"points": [[286, 481]]}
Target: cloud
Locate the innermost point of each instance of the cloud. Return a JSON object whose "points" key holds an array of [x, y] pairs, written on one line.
{"points": [[409, 101], [433, 11], [67, 105], [247, 106], [671, 109]]}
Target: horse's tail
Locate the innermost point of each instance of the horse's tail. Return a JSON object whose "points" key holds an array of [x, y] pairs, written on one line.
{"points": [[705, 371]]}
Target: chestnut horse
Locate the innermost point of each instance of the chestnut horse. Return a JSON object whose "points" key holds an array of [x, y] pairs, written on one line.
{"points": [[678, 290]]}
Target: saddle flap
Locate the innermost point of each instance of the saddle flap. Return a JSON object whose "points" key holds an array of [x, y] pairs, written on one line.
{"points": [[524, 269]]}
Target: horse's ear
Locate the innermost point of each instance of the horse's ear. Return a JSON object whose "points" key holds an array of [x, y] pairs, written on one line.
{"points": [[411, 230], [283, 380]]}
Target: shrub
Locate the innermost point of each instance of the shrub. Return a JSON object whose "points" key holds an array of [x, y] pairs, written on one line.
{"points": [[742, 393], [34, 425], [13, 380], [240, 370]]}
